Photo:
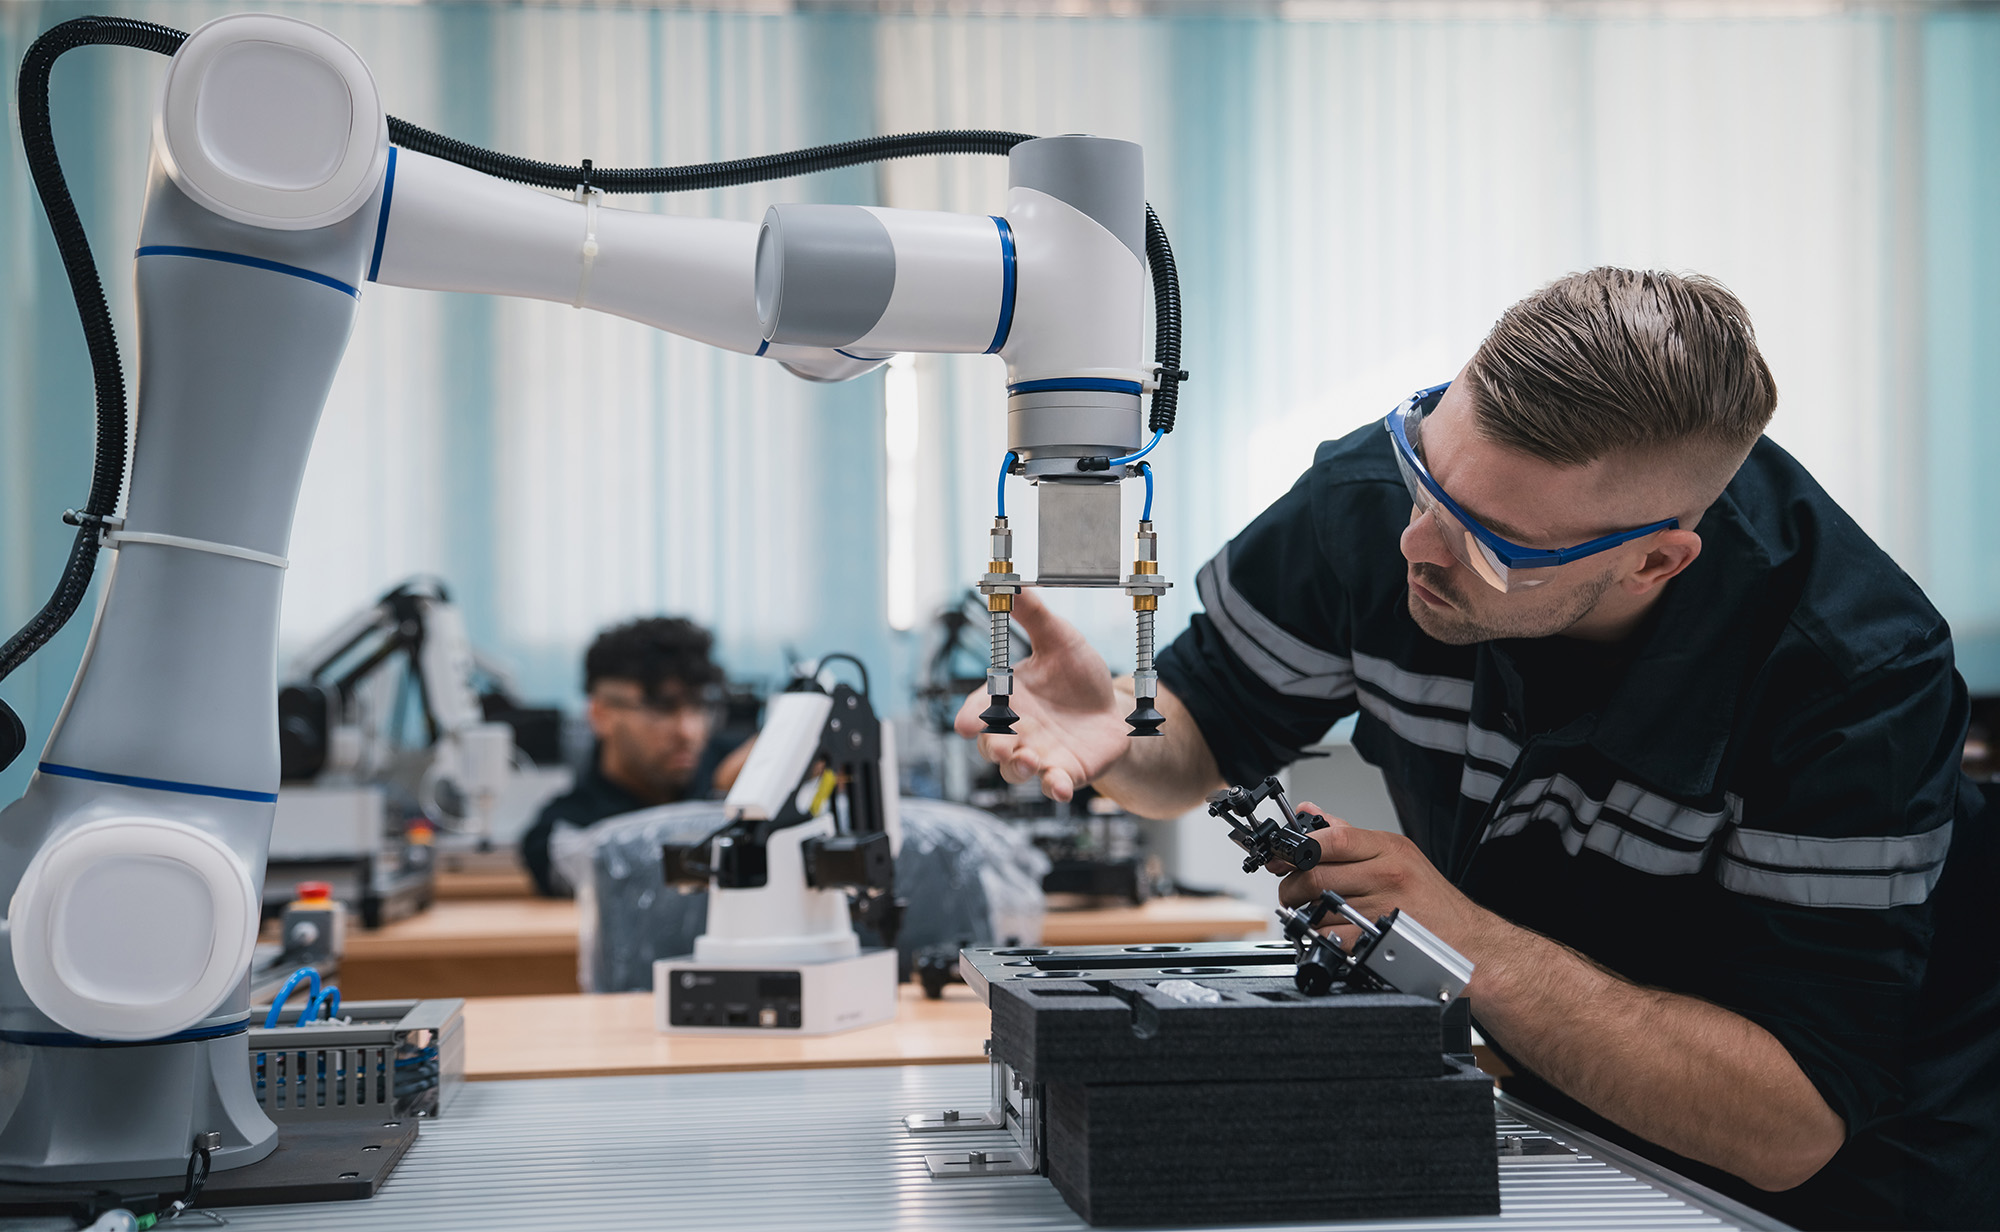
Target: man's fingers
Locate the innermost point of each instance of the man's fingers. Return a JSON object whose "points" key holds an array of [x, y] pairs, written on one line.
{"points": [[1057, 784], [967, 723], [1309, 809], [1021, 766], [1341, 843], [1354, 879], [1043, 627]]}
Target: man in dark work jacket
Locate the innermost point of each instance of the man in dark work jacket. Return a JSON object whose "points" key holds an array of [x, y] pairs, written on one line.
{"points": [[1675, 748], [653, 694]]}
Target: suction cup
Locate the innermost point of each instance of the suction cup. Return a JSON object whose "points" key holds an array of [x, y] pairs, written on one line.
{"points": [[999, 717], [1145, 721]]}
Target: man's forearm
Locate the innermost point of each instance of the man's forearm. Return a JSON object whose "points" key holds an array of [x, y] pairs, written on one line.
{"points": [[1693, 1077], [1164, 775]]}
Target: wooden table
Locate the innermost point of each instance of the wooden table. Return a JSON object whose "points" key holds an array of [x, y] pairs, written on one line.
{"points": [[580, 1036], [501, 947], [1157, 921], [576, 1036], [498, 883], [466, 948]]}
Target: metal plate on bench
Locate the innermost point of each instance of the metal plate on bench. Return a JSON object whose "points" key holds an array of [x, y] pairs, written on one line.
{"points": [[332, 1161]]}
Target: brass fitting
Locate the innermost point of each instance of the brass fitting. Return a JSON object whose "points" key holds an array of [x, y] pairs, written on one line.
{"points": [[1145, 585]]}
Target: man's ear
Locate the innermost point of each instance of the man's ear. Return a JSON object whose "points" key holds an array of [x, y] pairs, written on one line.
{"points": [[1669, 552], [599, 715]]}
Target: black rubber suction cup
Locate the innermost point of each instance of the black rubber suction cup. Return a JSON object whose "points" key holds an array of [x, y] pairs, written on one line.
{"points": [[999, 717], [1145, 721]]}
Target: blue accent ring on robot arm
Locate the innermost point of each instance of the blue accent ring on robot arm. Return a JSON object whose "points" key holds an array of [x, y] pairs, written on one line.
{"points": [[1006, 324], [382, 219], [237, 258], [1077, 384], [133, 780], [69, 1039]]}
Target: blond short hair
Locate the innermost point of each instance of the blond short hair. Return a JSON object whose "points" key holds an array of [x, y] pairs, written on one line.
{"points": [[1612, 361]]}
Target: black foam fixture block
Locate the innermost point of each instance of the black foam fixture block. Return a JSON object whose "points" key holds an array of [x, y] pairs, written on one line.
{"points": [[1243, 1152], [1055, 1030], [1242, 1100]]}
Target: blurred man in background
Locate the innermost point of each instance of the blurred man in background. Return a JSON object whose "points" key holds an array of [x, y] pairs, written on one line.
{"points": [[655, 705]]}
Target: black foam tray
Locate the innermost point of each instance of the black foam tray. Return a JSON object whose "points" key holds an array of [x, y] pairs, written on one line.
{"points": [[1241, 1152], [1055, 1030]]}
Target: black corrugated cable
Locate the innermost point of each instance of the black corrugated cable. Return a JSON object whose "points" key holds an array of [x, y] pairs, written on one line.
{"points": [[1166, 325], [616, 180], [73, 245]]}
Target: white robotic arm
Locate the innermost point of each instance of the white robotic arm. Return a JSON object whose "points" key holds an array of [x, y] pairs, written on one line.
{"points": [[444, 227], [132, 860]]}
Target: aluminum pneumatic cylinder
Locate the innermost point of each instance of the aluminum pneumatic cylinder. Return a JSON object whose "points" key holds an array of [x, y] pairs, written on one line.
{"points": [[1145, 585], [1000, 585]]}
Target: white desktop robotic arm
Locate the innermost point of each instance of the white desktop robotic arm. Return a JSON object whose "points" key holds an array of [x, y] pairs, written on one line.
{"points": [[275, 196]]}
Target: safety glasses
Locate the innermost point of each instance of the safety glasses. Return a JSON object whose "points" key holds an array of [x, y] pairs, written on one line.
{"points": [[1504, 566]]}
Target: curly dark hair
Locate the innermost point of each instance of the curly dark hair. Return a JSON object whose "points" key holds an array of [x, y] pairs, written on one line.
{"points": [[651, 652]]}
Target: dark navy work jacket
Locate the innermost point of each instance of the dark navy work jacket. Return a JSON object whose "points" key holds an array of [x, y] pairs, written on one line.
{"points": [[1757, 801]]}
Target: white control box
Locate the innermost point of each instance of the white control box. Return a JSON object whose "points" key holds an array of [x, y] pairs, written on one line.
{"points": [[824, 998]]}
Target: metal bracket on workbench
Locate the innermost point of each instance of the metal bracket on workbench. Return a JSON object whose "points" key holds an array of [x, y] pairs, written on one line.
{"points": [[1015, 1109], [951, 1120]]}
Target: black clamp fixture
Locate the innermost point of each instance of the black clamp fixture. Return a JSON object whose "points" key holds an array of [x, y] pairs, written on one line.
{"points": [[1288, 841]]}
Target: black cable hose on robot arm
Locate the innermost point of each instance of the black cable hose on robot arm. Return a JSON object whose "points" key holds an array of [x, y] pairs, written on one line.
{"points": [[699, 176], [1166, 325], [107, 477], [108, 466], [108, 469]]}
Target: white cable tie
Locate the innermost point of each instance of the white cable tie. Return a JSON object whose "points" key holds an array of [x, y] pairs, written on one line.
{"points": [[114, 539], [590, 197]]}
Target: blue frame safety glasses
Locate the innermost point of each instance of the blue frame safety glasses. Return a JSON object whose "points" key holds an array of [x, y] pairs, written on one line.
{"points": [[1504, 566]]}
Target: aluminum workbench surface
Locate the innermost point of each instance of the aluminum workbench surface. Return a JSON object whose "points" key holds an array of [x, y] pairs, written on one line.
{"points": [[826, 1150]]}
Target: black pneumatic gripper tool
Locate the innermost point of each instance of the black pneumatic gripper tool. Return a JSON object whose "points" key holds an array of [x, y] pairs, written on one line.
{"points": [[1392, 954], [1268, 840]]}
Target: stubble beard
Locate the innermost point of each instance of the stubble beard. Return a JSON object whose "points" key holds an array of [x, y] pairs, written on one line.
{"points": [[1454, 627]]}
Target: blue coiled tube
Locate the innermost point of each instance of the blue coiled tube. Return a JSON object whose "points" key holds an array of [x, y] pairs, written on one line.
{"points": [[285, 994]]}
